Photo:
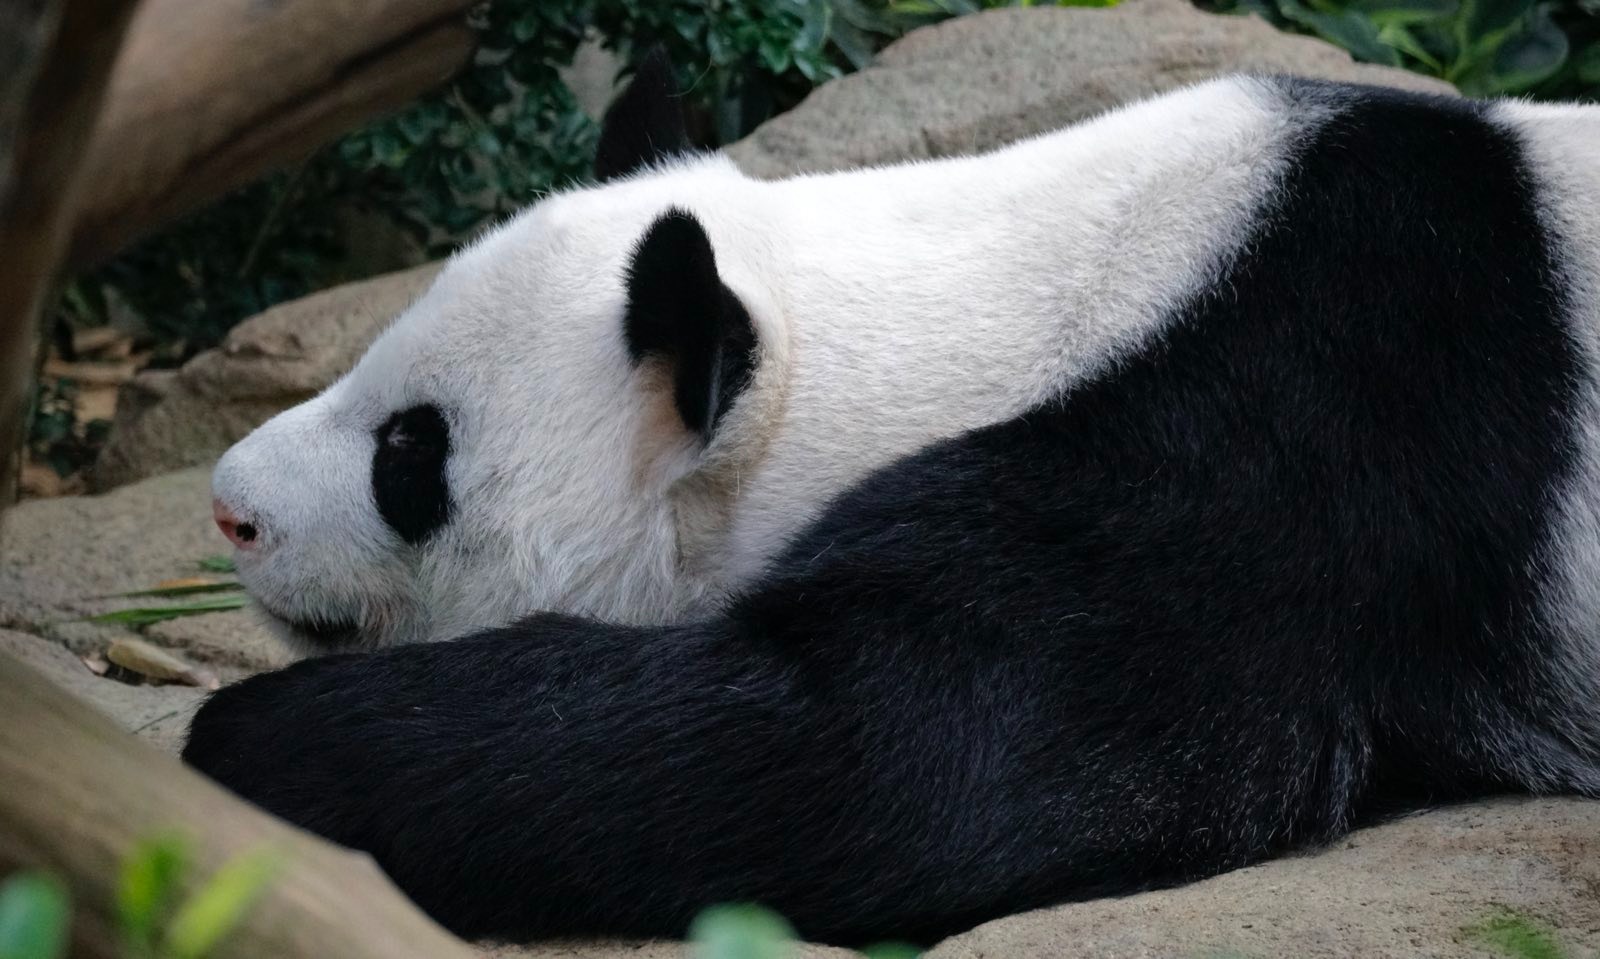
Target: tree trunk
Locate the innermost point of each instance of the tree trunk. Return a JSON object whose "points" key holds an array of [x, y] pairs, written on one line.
{"points": [[76, 794], [210, 94], [55, 56]]}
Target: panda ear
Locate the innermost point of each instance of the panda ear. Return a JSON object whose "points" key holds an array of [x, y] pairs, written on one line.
{"points": [[644, 124], [679, 310]]}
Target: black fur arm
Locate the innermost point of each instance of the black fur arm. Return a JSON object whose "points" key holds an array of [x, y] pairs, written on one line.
{"points": [[560, 777]]}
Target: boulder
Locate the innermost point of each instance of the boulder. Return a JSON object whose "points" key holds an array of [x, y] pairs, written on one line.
{"points": [[978, 82], [167, 421], [965, 85], [1468, 881], [631, 949]]}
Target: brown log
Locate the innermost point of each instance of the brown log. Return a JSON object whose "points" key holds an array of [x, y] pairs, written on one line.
{"points": [[55, 56], [211, 94], [77, 793]]}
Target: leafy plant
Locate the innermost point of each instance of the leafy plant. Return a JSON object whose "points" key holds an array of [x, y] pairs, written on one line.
{"points": [[158, 923], [154, 918], [33, 917], [748, 931], [1549, 48], [741, 931]]}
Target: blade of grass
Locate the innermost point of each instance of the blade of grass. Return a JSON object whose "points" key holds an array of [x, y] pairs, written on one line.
{"points": [[188, 589], [146, 615], [217, 564]]}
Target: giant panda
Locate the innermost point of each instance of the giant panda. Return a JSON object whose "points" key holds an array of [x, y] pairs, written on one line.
{"points": [[904, 547]]}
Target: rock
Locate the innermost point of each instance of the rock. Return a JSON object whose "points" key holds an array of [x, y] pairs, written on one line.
{"points": [[268, 363], [159, 714], [980, 81], [62, 559], [592, 75], [639, 950], [1434, 885], [158, 664]]}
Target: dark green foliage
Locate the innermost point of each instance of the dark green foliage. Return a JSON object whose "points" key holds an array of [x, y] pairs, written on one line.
{"points": [[1548, 49]]}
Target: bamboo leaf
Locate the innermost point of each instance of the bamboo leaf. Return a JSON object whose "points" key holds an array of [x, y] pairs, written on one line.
{"points": [[183, 589], [146, 615]]}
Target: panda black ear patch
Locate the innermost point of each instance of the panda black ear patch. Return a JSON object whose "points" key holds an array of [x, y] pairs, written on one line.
{"points": [[644, 124], [680, 310]]}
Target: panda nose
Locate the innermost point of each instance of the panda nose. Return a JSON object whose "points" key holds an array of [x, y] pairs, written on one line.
{"points": [[241, 533]]}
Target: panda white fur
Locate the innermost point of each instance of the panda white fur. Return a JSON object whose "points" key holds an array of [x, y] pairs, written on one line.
{"points": [[910, 546]]}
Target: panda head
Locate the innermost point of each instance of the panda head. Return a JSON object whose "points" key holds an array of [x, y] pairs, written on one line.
{"points": [[554, 425]]}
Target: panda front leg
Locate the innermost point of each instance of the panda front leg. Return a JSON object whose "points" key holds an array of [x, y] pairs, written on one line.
{"points": [[563, 777]]}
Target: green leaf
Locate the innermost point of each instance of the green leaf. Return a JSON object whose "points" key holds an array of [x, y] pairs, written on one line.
{"points": [[1515, 936], [815, 19], [146, 615], [148, 888], [218, 564], [1402, 39], [1347, 29], [33, 917], [775, 56], [740, 931], [891, 950], [189, 589], [1480, 18], [1523, 60], [1405, 12], [1589, 64], [213, 911]]}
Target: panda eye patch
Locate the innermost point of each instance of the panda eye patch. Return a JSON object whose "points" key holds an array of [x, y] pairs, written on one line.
{"points": [[409, 482]]}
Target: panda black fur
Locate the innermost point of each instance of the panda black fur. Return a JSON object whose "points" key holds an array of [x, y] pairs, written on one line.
{"points": [[1323, 543]]}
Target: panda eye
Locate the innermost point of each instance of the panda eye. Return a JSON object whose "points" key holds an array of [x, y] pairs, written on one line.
{"points": [[409, 478], [420, 427]]}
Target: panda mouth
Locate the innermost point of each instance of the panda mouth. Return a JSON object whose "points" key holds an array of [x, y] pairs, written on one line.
{"points": [[319, 630], [326, 632]]}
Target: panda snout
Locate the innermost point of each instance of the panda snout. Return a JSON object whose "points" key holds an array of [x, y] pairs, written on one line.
{"points": [[244, 532]]}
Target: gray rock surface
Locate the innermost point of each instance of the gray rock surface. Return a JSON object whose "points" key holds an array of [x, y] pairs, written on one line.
{"points": [[64, 559], [630, 949], [159, 714], [1432, 885], [166, 421], [981, 81]]}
